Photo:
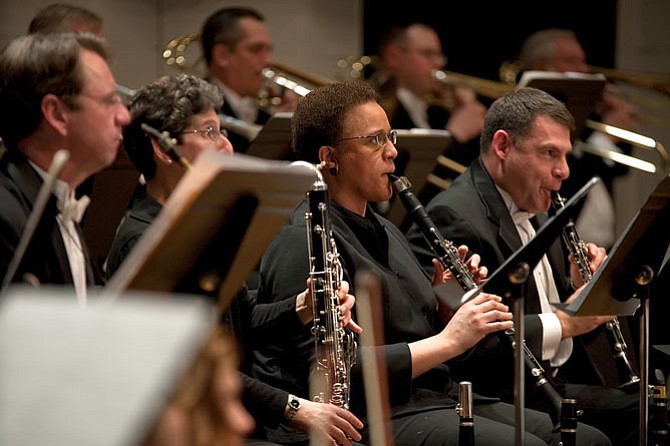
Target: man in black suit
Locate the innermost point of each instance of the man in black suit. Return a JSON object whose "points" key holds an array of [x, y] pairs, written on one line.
{"points": [[494, 208], [57, 92], [237, 48], [413, 98]]}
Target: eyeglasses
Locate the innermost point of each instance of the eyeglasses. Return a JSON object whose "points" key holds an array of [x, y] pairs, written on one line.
{"points": [[210, 132], [380, 138]]}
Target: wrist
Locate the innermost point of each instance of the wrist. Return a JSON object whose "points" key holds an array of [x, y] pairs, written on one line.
{"points": [[292, 407]]}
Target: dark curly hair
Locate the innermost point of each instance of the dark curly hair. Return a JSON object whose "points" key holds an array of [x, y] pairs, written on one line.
{"points": [[319, 116], [167, 104]]}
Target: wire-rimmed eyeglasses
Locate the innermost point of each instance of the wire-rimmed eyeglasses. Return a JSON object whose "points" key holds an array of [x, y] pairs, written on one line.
{"points": [[210, 132], [379, 138]]}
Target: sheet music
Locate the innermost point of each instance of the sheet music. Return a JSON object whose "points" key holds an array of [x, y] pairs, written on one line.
{"points": [[95, 376]]}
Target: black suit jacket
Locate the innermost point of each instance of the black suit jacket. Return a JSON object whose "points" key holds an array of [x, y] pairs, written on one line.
{"points": [[461, 152], [46, 257], [240, 142], [472, 212]]}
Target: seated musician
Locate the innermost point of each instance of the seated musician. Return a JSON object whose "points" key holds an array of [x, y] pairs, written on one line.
{"points": [[494, 208], [413, 98], [343, 126], [186, 107], [237, 47]]}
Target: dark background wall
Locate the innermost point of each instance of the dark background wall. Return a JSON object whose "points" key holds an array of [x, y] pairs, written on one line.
{"points": [[477, 36]]}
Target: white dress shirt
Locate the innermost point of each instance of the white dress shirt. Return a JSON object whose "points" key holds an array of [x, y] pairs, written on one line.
{"points": [[555, 350], [246, 108], [417, 108], [71, 211]]}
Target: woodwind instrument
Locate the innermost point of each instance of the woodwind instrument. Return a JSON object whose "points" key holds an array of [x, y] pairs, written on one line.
{"points": [[568, 422], [659, 409], [447, 254], [466, 425], [577, 248], [167, 144], [334, 343]]}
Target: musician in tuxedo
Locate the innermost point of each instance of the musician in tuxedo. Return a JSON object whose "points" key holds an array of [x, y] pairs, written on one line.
{"points": [[57, 92], [237, 47], [494, 208], [186, 107], [342, 127], [413, 98]]}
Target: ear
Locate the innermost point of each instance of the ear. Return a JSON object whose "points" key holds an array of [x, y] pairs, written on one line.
{"points": [[221, 54], [55, 113], [501, 144], [328, 156], [159, 154]]}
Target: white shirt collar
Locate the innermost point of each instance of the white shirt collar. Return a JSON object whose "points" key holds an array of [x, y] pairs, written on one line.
{"points": [[245, 108], [415, 106], [517, 214]]}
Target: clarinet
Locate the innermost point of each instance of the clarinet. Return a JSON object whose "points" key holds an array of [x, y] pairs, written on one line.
{"points": [[577, 248], [659, 409], [466, 425], [334, 344], [447, 254], [569, 415]]}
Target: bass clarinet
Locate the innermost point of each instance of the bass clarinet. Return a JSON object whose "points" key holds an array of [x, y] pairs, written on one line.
{"points": [[447, 254], [334, 344], [577, 248]]}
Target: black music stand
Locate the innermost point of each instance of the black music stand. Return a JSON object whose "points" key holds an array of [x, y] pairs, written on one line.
{"points": [[98, 375], [580, 92], [621, 284], [215, 226], [274, 140], [507, 281], [420, 149]]}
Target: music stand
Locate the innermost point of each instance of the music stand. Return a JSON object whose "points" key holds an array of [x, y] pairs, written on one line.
{"points": [[580, 92], [422, 148], [215, 226], [274, 139], [621, 284], [507, 281], [94, 376]]}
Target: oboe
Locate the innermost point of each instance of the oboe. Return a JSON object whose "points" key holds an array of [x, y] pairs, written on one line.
{"points": [[334, 344], [466, 425], [447, 254], [577, 248]]}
